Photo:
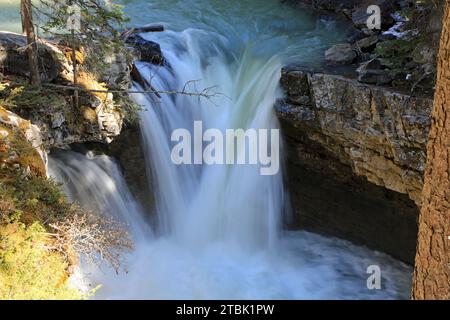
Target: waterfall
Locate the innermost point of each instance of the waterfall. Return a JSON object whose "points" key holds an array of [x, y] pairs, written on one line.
{"points": [[216, 230], [96, 183], [199, 204]]}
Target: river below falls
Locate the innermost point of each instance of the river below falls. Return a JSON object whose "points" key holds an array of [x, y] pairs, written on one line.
{"points": [[217, 231]]}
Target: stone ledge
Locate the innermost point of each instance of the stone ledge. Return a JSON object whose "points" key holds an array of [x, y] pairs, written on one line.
{"points": [[380, 133]]}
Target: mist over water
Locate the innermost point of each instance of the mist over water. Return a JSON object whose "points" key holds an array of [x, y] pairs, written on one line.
{"points": [[162, 267], [216, 231]]}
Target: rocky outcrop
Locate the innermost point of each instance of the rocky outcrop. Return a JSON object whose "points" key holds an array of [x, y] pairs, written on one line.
{"points": [[96, 121], [128, 150], [355, 158], [21, 144], [379, 133], [95, 117], [146, 50], [61, 123], [14, 59]]}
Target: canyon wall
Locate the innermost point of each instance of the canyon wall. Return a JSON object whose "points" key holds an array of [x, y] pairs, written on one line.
{"points": [[356, 157]]}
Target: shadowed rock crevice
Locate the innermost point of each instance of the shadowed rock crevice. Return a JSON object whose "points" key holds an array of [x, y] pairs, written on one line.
{"points": [[328, 198], [356, 157]]}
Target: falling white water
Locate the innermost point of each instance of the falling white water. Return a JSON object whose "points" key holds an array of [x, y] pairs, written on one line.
{"points": [[218, 231], [161, 267], [97, 184], [202, 204]]}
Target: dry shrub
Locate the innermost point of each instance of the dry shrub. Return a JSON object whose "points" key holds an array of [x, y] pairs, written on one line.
{"points": [[95, 237]]}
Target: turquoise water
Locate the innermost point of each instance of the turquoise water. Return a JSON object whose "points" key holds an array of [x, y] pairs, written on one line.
{"points": [[218, 232], [299, 34], [10, 15]]}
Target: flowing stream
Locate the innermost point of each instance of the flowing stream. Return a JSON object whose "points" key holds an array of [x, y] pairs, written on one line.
{"points": [[216, 231]]}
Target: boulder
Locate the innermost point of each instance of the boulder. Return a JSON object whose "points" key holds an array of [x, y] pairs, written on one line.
{"points": [[21, 143], [340, 54], [424, 54], [146, 50], [371, 72], [14, 59], [367, 44]]}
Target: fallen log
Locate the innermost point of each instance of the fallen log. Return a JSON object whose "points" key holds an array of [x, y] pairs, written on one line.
{"points": [[147, 28]]}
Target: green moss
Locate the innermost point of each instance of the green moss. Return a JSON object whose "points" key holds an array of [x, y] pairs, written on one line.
{"points": [[38, 198], [28, 269], [19, 94]]}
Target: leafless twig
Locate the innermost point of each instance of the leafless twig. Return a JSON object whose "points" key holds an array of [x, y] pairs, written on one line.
{"points": [[95, 237], [206, 92]]}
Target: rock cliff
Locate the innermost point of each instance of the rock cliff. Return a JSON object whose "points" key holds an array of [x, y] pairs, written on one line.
{"points": [[356, 155], [95, 118], [381, 134]]}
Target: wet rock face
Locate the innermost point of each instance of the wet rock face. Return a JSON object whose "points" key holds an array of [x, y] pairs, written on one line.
{"points": [[129, 152], [146, 50], [380, 134]]}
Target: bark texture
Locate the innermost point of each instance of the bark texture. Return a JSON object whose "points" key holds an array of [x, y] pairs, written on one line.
{"points": [[28, 28], [432, 269]]}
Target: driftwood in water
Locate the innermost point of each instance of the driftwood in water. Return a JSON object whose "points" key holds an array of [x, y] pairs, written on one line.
{"points": [[148, 28], [136, 76]]}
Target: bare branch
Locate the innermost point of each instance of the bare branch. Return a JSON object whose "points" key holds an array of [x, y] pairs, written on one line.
{"points": [[206, 93], [94, 237]]}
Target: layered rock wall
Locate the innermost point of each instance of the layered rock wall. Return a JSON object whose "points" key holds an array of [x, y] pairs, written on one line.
{"points": [[355, 159], [381, 134]]}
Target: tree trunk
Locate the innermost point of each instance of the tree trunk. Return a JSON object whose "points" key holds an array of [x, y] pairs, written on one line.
{"points": [[432, 269], [28, 28]]}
